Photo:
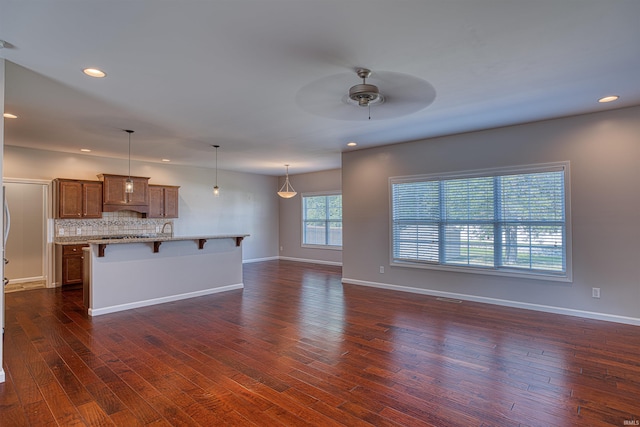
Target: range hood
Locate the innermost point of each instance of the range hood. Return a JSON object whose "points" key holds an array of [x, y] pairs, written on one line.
{"points": [[114, 197]]}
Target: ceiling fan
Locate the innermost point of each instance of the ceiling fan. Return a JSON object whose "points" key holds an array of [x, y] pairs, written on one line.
{"points": [[364, 95], [385, 94]]}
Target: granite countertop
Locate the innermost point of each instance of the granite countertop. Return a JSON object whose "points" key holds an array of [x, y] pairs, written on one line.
{"points": [[83, 240], [160, 238], [73, 241]]}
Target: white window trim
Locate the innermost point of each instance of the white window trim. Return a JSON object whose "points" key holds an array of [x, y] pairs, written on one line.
{"points": [[523, 169], [311, 194]]}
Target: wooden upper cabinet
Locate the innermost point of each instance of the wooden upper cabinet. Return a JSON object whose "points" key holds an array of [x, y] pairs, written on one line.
{"points": [[171, 195], [163, 201], [78, 199], [92, 199], [115, 198], [156, 201]]}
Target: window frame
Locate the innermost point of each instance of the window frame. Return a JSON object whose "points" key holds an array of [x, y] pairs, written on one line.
{"points": [[326, 220], [566, 276]]}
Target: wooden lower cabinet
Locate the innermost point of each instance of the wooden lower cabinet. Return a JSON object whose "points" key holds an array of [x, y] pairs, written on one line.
{"points": [[70, 264]]}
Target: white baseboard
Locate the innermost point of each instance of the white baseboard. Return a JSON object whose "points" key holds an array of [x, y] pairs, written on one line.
{"points": [[154, 301], [312, 261], [507, 303], [28, 279], [271, 258]]}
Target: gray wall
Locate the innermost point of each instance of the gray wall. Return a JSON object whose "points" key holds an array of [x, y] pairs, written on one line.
{"points": [[291, 217], [25, 248], [247, 204], [604, 153]]}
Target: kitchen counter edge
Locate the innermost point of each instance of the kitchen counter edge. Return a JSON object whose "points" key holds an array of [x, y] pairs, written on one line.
{"points": [[163, 239]]}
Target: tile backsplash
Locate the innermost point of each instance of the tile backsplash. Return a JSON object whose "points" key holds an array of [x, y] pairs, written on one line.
{"points": [[111, 224]]}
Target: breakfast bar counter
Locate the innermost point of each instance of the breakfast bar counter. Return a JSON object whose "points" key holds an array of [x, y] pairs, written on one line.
{"points": [[125, 273], [157, 240]]}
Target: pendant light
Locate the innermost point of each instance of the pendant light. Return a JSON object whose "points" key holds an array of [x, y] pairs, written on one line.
{"points": [[216, 189], [128, 184], [287, 191]]}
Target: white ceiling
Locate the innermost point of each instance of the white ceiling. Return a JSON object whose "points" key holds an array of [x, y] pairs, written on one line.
{"points": [[242, 73]]}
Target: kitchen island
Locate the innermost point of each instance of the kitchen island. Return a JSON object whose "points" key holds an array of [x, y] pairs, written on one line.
{"points": [[126, 273]]}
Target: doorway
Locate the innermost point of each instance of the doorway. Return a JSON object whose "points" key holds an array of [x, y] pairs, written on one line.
{"points": [[26, 247]]}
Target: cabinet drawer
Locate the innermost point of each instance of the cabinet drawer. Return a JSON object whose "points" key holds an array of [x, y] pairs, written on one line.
{"points": [[73, 249]]}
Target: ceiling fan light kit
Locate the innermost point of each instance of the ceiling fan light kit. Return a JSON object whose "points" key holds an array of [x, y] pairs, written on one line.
{"points": [[365, 94]]}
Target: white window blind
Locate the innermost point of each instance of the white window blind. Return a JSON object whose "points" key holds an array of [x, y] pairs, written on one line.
{"points": [[499, 220], [322, 220]]}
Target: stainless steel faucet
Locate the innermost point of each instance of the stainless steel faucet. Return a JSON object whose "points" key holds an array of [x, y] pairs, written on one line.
{"points": [[170, 224]]}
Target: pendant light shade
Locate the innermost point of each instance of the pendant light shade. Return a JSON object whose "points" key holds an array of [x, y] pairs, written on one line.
{"points": [[128, 184], [216, 189], [287, 191]]}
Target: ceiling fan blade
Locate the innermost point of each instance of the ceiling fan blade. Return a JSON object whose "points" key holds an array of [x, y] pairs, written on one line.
{"points": [[403, 95]]}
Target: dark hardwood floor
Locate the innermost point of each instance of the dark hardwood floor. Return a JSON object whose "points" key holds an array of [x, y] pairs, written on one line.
{"points": [[296, 347]]}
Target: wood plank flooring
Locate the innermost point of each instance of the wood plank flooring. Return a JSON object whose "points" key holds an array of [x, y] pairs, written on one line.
{"points": [[298, 348]]}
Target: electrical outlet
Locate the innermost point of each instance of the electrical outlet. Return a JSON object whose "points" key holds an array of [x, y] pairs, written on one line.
{"points": [[61, 231], [281, 248], [595, 292], [382, 269], [78, 231]]}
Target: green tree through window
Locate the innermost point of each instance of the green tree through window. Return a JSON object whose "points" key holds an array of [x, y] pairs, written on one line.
{"points": [[513, 220], [322, 220]]}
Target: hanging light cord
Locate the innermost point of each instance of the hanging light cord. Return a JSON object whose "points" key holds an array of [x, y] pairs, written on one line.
{"points": [[130, 132], [288, 186], [287, 179], [216, 147]]}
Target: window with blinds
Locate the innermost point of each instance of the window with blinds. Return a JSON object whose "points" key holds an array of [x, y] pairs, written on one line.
{"points": [[322, 220], [498, 221]]}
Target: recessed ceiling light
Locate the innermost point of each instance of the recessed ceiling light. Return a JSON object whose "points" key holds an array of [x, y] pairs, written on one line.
{"points": [[9, 116], [85, 150], [609, 98], [166, 160], [94, 72], [352, 144]]}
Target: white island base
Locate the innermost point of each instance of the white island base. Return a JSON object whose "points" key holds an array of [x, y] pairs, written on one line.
{"points": [[131, 273]]}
